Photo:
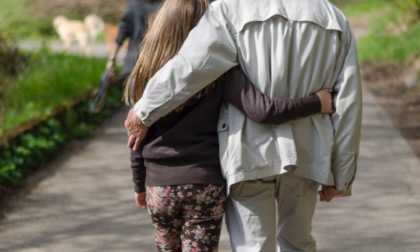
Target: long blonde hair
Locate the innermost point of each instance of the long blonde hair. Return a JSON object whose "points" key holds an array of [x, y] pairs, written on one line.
{"points": [[167, 29]]}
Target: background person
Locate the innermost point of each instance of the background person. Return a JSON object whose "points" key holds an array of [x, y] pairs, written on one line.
{"points": [[132, 26]]}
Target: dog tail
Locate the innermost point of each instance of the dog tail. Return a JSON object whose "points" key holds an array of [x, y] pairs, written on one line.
{"points": [[94, 24]]}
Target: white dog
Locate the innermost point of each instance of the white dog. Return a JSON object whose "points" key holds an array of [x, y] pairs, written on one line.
{"points": [[78, 31]]}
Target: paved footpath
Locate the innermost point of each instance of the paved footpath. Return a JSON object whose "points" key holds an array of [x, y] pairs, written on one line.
{"points": [[84, 201]]}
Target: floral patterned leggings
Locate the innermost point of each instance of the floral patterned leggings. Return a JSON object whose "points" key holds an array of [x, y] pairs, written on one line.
{"points": [[188, 217]]}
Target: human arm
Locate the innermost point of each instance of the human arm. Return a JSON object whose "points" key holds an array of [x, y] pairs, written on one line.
{"points": [[263, 109], [124, 32], [208, 52], [110, 65], [347, 119], [139, 177]]}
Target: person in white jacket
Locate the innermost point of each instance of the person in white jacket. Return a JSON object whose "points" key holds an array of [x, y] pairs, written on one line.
{"points": [[288, 48]]}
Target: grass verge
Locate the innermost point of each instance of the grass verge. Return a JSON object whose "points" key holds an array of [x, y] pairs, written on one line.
{"points": [[50, 80], [392, 35], [17, 20]]}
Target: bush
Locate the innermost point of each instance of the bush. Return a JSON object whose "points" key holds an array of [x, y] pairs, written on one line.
{"points": [[24, 154], [11, 62], [29, 151], [410, 9]]}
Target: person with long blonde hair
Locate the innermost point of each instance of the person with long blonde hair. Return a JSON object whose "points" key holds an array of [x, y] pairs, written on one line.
{"points": [[176, 172]]}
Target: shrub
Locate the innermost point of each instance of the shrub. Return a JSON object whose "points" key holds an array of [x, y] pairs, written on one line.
{"points": [[29, 151], [410, 9], [25, 153], [11, 62], [11, 59]]}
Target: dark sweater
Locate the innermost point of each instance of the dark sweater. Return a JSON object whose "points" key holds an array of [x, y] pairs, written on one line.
{"points": [[182, 147]]}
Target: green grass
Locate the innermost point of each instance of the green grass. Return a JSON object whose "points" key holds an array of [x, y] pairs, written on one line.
{"points": [[378, 46], [17, 20], [381, 44], [358, 7], [51, 80]]}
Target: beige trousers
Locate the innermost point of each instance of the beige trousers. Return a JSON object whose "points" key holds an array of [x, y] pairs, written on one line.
{"points": [[272, 214]]}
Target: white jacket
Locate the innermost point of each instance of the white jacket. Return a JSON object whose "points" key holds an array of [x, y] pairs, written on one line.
{"points": [[288, 48]]}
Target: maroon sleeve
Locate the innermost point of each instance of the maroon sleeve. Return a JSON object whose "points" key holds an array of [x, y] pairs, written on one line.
{"points": [[261, 108], [138, 170]]}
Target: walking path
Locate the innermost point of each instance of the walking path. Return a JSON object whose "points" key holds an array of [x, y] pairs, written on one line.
{"points": [[85, 200], [99, 50]]}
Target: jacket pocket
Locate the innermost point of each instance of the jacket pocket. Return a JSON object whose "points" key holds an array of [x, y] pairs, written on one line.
{"points": [[223, 134]]}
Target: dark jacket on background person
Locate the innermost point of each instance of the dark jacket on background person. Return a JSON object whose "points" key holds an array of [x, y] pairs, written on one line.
{"points": [[132, 25]]}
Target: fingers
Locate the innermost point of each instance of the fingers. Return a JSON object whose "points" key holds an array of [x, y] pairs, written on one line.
{"points": [[137, 143], [327, 193], [332, 107], [142, 204], [136, 130], [134, 142], [131, 141], [326, 101], [328, 196], [324, 197], [140, 199]]}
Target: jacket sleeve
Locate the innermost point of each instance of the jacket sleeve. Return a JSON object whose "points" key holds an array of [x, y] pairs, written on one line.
{"points": [[261, 108], [138, 171], [347, 120], [124, 26], [207, 53]]}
